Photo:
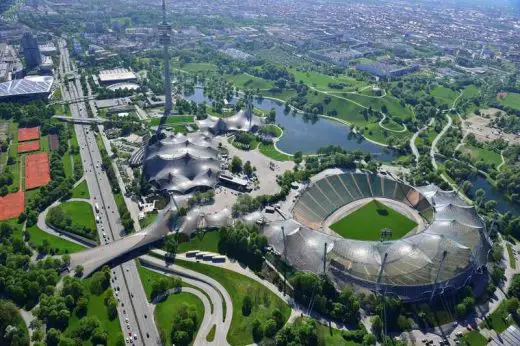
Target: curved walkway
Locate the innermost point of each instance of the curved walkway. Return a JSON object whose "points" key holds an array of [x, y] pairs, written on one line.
{"points": [[217, 293], [503, 160], [42, 224], [436, 140], [207, 321], [413, 146], [380, 123]]}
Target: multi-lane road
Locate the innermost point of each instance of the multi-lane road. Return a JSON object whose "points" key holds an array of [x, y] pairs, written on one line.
{"points": [[135, 313]]}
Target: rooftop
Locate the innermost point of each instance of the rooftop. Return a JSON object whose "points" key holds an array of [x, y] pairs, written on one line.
{"points": [[28, 86]]}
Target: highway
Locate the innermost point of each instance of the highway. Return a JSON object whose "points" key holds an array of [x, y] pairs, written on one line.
{"points": [[134, 306]]}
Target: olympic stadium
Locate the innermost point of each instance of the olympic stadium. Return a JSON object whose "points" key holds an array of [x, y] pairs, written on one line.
{"points": [[440, 255]]}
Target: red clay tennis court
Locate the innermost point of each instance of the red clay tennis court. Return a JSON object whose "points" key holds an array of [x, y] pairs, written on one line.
{"points": [[12, 205], [28, 134], [28, 146], [37, 172]]}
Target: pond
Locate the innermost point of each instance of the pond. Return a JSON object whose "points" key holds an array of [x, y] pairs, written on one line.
{"points": [[308, 137], [503, 204]]}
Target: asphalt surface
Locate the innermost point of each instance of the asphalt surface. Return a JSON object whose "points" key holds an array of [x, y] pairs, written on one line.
{"points": [[126, 282], [215, 291]]}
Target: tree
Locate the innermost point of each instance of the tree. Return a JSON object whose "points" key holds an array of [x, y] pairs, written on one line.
{"points": [[170, 246], [79, 270], [270, 328], [271, 116], [298, 157], [236, 165], [248, 169], [258, 332], [53, 337], [247, 305], [512, 305]]}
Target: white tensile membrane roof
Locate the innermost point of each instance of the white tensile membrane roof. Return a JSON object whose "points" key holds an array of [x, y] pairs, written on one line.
{"points": [[181, 163], [452, 245]]}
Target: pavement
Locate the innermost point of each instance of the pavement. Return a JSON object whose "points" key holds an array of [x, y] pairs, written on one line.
{"points": [[216, 292], [126, 281]]}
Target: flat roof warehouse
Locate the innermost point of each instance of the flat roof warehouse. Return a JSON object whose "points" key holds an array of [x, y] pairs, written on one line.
{"points": [[31, 87]]}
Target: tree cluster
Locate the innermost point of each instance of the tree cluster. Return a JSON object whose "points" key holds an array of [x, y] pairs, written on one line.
{"points": [[244, 243]]}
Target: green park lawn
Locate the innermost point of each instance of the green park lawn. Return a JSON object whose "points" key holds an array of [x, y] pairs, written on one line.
{"points": [[195, 67], [96, 307], [498, 319], [470, 91], [474, 338], [67, 164], [81, 191], [355, 225], [512, 100], [328, 335], [207, 241], [80, 212], [283, 95], [321, 81], [483, 154], [166, 311], [444, 95], [270, 151], [173, 119], [238, 286], [148, 219], [512, 261], [245, 81], [60, 245], [392, 104]]}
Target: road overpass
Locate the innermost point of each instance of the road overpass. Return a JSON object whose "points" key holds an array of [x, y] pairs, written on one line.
{"points": [[78, 120], [94, 258]]}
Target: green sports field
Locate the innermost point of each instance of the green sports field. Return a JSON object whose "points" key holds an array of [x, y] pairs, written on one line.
{"points": [[367, 222]]}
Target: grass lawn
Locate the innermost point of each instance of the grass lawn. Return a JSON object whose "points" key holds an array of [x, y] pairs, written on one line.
{"points": [[74, 143], [272, 128], [67, 163], [238, 286], [173, 119], [483, 154], [80, 212], [245, 81], [211, 335], [13, 152], [321, 81], [474, 338], [207, 241], [284, 95], [270, 151], [96, 307], [166, 311], [81, 191], [512, 100], [512, 261], [196, 67], [148, 219], [498, 319], [328, 336], [470, 91], [44, 144], [62, 246], [147, 278], [444, 95], [355, 225]]}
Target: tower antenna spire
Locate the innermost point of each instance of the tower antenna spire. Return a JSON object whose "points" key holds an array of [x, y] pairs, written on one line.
{"points": [[164, 11], [165, 30]]}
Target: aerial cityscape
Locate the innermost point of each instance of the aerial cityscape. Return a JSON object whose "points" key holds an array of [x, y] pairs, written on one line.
{"points": [[313, 172]]}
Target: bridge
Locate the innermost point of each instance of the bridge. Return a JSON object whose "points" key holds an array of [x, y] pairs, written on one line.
{"points": [[76, 100], [78, 120], [94, 258]]}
